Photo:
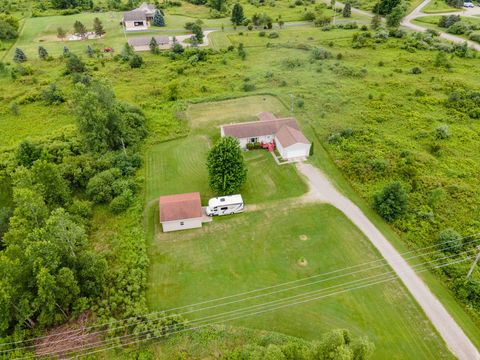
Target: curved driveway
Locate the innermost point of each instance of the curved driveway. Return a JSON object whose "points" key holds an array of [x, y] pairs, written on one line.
{"points": [[456, 340]]}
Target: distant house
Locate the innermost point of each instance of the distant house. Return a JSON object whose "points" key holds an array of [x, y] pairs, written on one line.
{"points": [[140, 18], [284, 132], [180, 212], [142, 43]]}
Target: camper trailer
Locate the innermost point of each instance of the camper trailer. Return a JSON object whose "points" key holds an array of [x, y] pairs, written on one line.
{"points": [[225, 205]]}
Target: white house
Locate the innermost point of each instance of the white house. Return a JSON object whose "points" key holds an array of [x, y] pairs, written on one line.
{"points": [[135, 20], [284, 132], [139, 18], [180, 212]]}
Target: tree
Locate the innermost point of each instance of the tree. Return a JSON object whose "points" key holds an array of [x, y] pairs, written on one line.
{"points": [[9, 26], [19, 56], [197, 32], [98, 27], [384, 7], [376, 21], [395, 17], [177, 48], [90, 51], [237, 14], [136, 61], [79, 29], [27, 153], [75, 64], [158, 19], [450, 239], [42, 53], [61, 33], [347, 10], [392, 202], [5, 214], [53, 95], [226, 166], [241, 51], [218, 5], [154, 46], [66, 51], [49, 182]]}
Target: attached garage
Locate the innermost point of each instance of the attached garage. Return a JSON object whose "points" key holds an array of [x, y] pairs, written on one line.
{"points": [[291, 143], [180, 212]]}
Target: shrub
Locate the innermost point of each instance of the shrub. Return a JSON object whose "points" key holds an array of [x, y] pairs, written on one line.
{"points": [[273, 35], [319, 53], [459, 28], [100, 187], [122, 202], [442, 132], [261, 33], [447, 21], [53, 95], [308, 16], [135, 61], [450, 239], [248, 86], [416, 70], [392, 202], [74, 64]]}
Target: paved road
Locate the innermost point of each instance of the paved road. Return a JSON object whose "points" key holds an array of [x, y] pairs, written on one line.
{"points": [[407, 22], [456, 340]]}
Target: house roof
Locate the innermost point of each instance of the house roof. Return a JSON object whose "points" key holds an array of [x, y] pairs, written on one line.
{"points": [[180, 207], [145, 40], [258, 128], [288, 136], [147, 8], [135, 15], [264, 116]]}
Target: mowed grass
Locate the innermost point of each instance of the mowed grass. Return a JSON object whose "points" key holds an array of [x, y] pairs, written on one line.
{"points": [[438, 6], [42, 31], [234, 110], [259, 249], [179, 166]]}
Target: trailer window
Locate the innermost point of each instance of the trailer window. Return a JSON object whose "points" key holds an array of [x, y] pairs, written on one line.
{"points": [[224, 208], [182, 223]]}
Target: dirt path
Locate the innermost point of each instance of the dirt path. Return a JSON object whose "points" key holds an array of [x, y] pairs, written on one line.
{"points": [[456, 340]]}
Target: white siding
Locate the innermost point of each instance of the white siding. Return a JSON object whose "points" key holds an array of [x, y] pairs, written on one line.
{"points": [[181, 224], [293, 151], [130, 25], [260, 139]]}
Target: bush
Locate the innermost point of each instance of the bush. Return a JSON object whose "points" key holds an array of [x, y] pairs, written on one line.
{"points": [[392, 202], [100, 187], [121, 202], [136, 61], [273, 35], [416, 70], [319, 53], [442, 132], [459, 28], [53, 95], [248, 86], [450, 239], [74, 64], [261, 34]]}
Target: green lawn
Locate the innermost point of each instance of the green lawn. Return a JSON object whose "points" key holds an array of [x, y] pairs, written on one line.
{"points": [[42, 31], [257, 249], [438, 6], [234, 110]]}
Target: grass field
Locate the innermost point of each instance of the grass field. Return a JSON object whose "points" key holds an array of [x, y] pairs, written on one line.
{"points": [[438, 6], [432, 21], [225, 258], [234, 110]]}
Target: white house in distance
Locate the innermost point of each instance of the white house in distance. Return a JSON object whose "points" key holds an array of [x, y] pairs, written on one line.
{"points": [[139, 18], [181, 211], [284, 132]]}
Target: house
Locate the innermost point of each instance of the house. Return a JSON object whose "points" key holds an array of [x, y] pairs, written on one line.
{"points": [[139, 18], [135, 20], [181, 211], [142, 43], [284, 132]]}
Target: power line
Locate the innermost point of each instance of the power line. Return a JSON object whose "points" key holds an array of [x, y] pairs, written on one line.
{"points": [[82, 334], [391, 278], [255, 306]]}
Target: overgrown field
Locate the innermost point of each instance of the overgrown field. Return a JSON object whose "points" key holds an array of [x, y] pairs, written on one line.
{"points": [[384, 109]]}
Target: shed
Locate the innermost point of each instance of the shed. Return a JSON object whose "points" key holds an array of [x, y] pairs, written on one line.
{"points": [[135, 20], [180, 211], [142, 43]]}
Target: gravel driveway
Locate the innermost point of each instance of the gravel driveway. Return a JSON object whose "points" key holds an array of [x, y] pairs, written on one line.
{"points": [[456, 340]]}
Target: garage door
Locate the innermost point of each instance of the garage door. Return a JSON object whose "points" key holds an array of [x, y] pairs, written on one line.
{"points": [[296, 153]]}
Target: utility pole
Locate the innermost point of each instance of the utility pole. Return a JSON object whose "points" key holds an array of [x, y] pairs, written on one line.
{"points": [[474, 263]]}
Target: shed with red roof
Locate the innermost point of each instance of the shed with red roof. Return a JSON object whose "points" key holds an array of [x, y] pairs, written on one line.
{"points": [[181, 211]]}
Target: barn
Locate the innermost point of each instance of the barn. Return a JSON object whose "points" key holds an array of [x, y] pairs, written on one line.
{"points": [[284, 132], [180, 211]]}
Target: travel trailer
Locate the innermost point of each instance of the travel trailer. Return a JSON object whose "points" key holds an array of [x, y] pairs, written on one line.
{"points": [[225, 205]]}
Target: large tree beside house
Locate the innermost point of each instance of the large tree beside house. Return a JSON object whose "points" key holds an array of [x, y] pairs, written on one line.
{"points": [[226, 166]]}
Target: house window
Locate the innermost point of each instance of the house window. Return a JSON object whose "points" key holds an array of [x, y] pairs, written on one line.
{"points": [[182, 223], [138, 23], [253, 140]]}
